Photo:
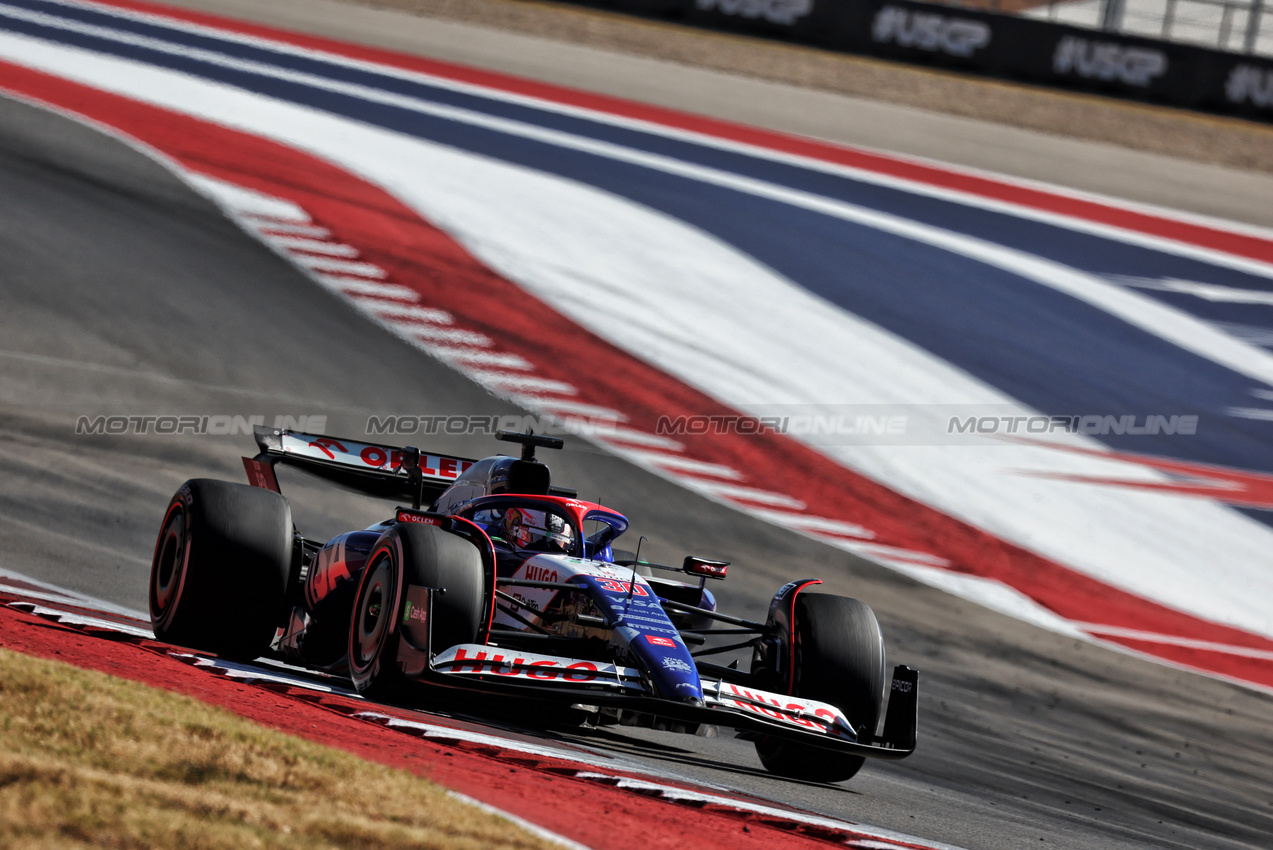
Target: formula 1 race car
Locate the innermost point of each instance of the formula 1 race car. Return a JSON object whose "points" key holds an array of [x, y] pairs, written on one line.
{"points": [[506, 586]]}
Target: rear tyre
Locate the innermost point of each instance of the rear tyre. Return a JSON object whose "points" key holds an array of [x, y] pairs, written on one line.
{"points": [[218, 580], [410, 554], [839, 659]]}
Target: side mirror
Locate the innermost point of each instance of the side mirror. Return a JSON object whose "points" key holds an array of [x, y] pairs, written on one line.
{"points": [[705, 568]]}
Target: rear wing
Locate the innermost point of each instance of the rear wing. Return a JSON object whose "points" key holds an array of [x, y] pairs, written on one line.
{"points": [[387, 472]]}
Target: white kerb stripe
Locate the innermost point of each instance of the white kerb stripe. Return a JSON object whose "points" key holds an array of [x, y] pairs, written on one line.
{"points": [[523, 383], [270, 228], [443, 336], [534, 829], [805, 522], [880, 550], [469, 357], [679, 464], [619, 438], [312, 246], [401, 313], [359, 286], [327, 264], [576, 408], [734, 492]]}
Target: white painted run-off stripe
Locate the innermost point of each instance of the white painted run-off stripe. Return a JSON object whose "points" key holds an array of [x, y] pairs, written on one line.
{"points": [[360, 286], [440, 336], [251, 207], [1171, 324], [1157, 318], [272, 229], [563, 407], [1100, 631], [403, 314], [1212, 292], [1257, 413], [680, 464], [313, 246], [990, 593], [737, 494], [622, 438], [805, 522], [913, 186], [521, 383], [328, 264], [881, 550], [468, 357]]}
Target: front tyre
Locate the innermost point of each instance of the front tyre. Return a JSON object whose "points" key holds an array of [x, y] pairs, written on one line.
{"points": [[218, 579], [425, 556], [839, 659]]}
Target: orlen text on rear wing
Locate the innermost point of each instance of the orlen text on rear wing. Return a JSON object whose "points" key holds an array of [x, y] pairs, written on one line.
{"points": [[387, 472]]}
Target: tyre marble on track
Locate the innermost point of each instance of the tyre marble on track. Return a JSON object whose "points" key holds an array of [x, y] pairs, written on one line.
{"points": [[122, 293]]}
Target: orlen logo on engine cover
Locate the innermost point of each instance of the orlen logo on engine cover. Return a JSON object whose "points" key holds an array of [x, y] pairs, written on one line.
{"points": [[1108, 60], [929, 31], [407, 516], [785, 12]]}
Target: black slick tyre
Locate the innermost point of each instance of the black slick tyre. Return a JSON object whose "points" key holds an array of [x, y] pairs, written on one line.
{"points": [[839, 659], [218, 579], [425, 556]]}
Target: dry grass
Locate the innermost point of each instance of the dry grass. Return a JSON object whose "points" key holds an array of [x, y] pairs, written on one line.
{"points": [[87, 760], [1232, 142]]}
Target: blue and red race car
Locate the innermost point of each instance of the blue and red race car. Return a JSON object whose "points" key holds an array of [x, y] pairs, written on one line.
{"points": [[507, 586]]}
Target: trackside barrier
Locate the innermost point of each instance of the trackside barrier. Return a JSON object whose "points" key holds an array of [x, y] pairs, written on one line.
{"points": [[994, 44]]}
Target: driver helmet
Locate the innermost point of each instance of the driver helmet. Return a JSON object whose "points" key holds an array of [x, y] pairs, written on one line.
{"points": [[558, 533], [515, 528]]}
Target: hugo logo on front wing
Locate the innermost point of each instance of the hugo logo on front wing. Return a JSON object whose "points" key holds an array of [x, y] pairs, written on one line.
{"points": [[786, 711], [532, 667]]}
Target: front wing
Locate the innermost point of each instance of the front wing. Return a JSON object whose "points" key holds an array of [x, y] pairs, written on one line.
{"points": [[493, 670]]}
